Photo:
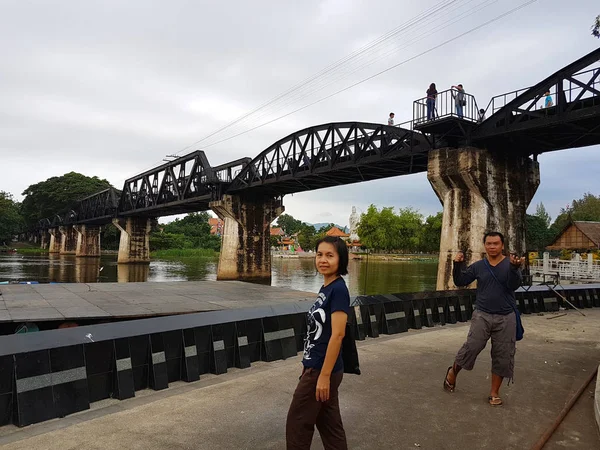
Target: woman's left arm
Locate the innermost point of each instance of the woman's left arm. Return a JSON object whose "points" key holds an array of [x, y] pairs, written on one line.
{"points": [[338, 331]]}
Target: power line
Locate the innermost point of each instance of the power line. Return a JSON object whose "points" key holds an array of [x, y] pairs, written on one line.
{"points": [[331, 67], [428, 14], [460, 17], [501, 16]]}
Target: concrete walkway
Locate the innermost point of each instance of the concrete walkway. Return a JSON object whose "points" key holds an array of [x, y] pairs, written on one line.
{"points": [[398, 402], [79, 301]]}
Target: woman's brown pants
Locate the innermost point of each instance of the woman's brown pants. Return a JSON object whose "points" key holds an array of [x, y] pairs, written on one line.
{"points": [[306, 412]]}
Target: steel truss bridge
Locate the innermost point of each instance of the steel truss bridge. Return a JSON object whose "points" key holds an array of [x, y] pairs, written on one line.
{"points": [[337, 154]]}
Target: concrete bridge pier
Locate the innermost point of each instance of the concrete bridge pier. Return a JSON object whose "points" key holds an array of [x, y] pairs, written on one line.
{"points": [[134, 246], [246, 245], [44, 239], [88, 240], [55, 240], [68, 240], [481, 191]]}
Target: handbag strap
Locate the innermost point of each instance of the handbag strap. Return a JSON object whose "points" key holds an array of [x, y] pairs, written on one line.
{"points": [[489, 267]]}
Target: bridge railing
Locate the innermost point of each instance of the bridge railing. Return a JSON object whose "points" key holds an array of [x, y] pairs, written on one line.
{"points": [[574, 88], [446, 105], [568, 270]]}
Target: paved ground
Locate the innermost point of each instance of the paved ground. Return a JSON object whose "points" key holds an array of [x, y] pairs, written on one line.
{"points": [[19, 303], [398, 402]]}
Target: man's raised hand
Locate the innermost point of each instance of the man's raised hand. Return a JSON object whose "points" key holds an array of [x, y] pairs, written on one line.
{"points": [[517, 261]]}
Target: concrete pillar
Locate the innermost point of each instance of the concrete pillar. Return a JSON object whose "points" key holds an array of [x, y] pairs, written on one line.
{"points": [[88, 240], [45, 240], [481, 191], [246, 248], [55, 240], [68, 240], [546, 267], [134, 246]]}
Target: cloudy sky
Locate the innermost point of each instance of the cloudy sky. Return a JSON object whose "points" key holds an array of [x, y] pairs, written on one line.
{"points": [[108, 88]]}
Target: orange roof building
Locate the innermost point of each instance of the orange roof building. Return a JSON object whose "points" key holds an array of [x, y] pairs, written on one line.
{"points": [[277, 231], [216, 226], [335, 231]]}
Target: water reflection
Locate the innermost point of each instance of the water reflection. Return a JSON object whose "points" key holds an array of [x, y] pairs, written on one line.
{"points": [[372, 277], [132, 272]]}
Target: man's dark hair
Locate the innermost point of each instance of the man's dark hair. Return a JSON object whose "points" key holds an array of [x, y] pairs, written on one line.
{"points": [[493, 234], [340, 248]]}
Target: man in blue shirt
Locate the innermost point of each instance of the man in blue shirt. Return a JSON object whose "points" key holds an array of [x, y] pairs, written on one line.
{"points": [[494, 317]]}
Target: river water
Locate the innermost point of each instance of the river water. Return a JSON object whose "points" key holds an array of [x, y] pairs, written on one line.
{"points": [[372, 277]]}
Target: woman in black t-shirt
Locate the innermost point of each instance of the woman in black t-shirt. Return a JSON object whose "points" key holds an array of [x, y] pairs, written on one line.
{"points": [[431, 96], [315, 400]]}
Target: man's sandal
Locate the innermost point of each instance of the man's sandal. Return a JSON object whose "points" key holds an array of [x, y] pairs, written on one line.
{"points": [[494, 401], [447, 386]]}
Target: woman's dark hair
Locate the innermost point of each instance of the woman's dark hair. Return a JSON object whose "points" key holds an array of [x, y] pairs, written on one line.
{"points": [[432, 86], [493, 234], [340, 248]]}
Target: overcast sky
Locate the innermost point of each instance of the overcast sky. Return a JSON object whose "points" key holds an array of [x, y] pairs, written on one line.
{"points": [[108, 88]]}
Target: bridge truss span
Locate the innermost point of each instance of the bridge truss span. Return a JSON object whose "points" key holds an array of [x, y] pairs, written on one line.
{"points": [[331, 155]]}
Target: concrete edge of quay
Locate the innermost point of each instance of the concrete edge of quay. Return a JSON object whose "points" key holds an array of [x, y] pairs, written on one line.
{"points": [[597, 399]]}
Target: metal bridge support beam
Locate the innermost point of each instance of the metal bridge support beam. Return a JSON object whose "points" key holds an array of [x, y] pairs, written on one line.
{"points": [[481, 191], [134, 246], [55, 240], [246, 245], [68, 240], [88, 240]]}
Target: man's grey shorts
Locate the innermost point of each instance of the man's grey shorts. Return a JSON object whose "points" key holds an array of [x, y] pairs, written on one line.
{"points": [[502, 329]]}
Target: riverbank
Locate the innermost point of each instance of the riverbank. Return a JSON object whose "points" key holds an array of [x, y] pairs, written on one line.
{"points": [[184, 253], [395, 257]]}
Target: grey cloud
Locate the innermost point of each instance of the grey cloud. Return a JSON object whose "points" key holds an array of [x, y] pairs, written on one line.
{"points": [[108, 88]]}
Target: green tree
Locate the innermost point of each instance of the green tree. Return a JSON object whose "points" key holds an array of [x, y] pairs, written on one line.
{"points": [[586, 208], [596, 27], [196, 232], [289, 224], [409, 227], [431, 234], [11, 221], [537, 233], [307, 237], [540, 211], [58, 194]]}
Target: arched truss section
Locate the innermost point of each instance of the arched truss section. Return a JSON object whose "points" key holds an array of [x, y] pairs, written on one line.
{"points": [[100, 207], [331, 155]]}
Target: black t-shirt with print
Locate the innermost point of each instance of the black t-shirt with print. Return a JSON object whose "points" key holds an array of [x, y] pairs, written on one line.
{"points": [[333, 297]]}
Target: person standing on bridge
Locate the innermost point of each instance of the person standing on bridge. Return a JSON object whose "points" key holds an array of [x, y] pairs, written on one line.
{"points": [[315, 400], [494, 317], [459, 99], [391, 119], [431, 97]]}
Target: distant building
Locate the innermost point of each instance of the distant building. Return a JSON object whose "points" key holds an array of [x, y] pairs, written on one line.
{"points": [[216, 226], [578, 235], [335, 231], [277, 231]]}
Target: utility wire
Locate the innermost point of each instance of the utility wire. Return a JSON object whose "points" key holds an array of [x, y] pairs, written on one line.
{"points": [[501, 16], [342, 76]]}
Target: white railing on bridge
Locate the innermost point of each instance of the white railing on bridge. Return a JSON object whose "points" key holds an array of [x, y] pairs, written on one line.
{"points": [[576, 269]]}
